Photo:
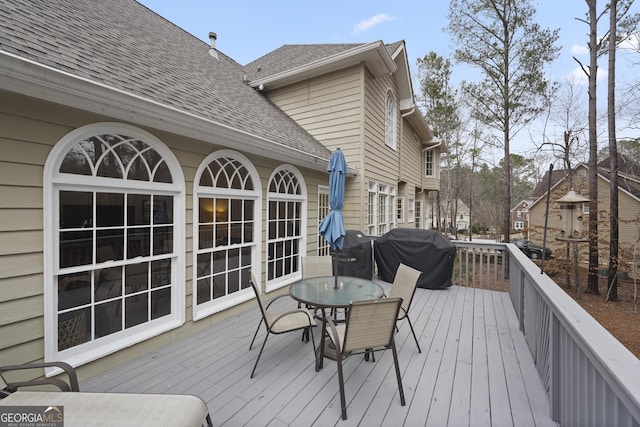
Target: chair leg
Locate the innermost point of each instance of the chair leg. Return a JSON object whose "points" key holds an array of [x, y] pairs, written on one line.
{"points": [[256, 334], [259, 354], [343, 402], [414, 334], [398, 377]]}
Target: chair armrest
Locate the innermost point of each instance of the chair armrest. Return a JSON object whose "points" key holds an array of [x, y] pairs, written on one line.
{"points": [[287, 313], [335, 337], [72, 385], [277, 298]]}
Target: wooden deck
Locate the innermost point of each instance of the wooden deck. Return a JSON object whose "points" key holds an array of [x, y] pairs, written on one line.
{"points": [[474, 370]]}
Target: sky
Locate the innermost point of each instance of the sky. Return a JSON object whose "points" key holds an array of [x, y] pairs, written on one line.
{"points": [[246, 29]]}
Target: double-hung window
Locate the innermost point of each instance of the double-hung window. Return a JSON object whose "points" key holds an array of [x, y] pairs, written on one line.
{"points": [[113, 252], [226, 231]]}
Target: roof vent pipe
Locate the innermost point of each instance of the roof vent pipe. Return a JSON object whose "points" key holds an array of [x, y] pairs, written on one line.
{"points": [[212, 50]]}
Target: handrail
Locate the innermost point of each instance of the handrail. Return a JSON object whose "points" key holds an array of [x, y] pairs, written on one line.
{"points": [[589, 376]]}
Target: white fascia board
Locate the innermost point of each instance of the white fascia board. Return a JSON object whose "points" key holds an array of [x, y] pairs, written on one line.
{"points": [[33, 79], [374, 55]]}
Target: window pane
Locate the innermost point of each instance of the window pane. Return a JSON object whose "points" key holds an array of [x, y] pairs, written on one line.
{"points": [[108, 318], [205, 210], [136, 278], [109, 209], [160, 273], [138, 242], [206, 236], [76, 209], [110, 244], [73, 328], [138, 209], [160, 303], [76, 248], [204, 290], [219, 288], [162, 240], [234, 281], [136, 310], [108, 283], [162, 210], [74, 290], [138, 170]]}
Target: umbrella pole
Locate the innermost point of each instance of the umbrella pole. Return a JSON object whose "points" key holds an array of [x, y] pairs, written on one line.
{"points": [[335, 268]]}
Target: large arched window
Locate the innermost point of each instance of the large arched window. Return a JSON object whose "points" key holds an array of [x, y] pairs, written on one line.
{"points": [[114, 203], [391, 120], [286, 225], [226, 233]]}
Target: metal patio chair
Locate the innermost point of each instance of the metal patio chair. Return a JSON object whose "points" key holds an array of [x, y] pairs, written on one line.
{"points": [[280, 322], [370, 327], [404, 285]]}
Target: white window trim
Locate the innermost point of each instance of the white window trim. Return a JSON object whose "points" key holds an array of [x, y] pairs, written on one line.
{"points": [[390, 120], [53, 181], [280, 282], [201, 311], [400, 207], [322, 247]]}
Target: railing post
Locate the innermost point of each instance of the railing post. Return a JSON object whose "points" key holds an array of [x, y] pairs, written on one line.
{"points": [[554, 368]]}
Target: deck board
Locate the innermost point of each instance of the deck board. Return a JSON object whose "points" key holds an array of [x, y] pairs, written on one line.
{"points": [[475, 369]]}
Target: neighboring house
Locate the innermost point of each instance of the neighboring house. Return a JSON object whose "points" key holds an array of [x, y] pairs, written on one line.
{"points": [[359, 98], [520, 215], [628, 207], [462, 216], [143, 180]]}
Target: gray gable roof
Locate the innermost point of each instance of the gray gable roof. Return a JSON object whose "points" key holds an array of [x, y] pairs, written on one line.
{"points": [[290, 56], [123, 45]]}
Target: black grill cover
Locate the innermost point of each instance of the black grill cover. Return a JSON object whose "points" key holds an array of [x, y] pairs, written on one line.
{"points": [[425, 250], [356, 257]]}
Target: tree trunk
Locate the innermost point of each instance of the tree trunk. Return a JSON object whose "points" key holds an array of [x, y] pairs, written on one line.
{"points": [[612, 282], [592, 283]]}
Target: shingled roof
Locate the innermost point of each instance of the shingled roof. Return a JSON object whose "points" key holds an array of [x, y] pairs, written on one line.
{"points": [[124, 46]]}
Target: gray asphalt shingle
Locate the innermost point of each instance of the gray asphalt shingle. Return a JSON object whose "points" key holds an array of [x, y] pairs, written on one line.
{"points": [[124, 45]]}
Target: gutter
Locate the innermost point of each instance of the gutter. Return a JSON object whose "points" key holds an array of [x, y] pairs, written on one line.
{"points": [[33, 79]]}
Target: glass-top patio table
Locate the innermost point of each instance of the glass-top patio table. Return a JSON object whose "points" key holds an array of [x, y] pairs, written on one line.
{"points": [[322, 293]]}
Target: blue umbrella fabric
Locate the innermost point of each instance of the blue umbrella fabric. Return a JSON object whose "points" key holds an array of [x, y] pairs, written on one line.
{"points": [[332, 226]]}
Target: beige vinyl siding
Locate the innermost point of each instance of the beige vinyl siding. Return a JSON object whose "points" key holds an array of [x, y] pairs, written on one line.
{"points": [[329, 107], [410, 156], [382, 163]]}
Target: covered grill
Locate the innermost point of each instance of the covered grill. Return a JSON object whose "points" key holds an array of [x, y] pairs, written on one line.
{"points": [[425, 250]]}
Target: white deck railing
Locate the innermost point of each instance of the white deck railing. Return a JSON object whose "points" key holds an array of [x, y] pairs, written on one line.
{"points": [[591, 379]]}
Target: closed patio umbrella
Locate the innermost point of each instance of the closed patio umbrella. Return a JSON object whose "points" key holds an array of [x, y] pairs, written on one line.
{"points": [[332, 226]]}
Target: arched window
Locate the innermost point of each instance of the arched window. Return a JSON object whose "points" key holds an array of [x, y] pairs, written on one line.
{"points": [[391, 120], [226, 233], [286, 225], [113, 252]]}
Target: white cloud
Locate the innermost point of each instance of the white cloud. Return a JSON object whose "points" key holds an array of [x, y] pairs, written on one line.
{"points": [[579, 77], [579, 50], [371, 22], [632, 42]]}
